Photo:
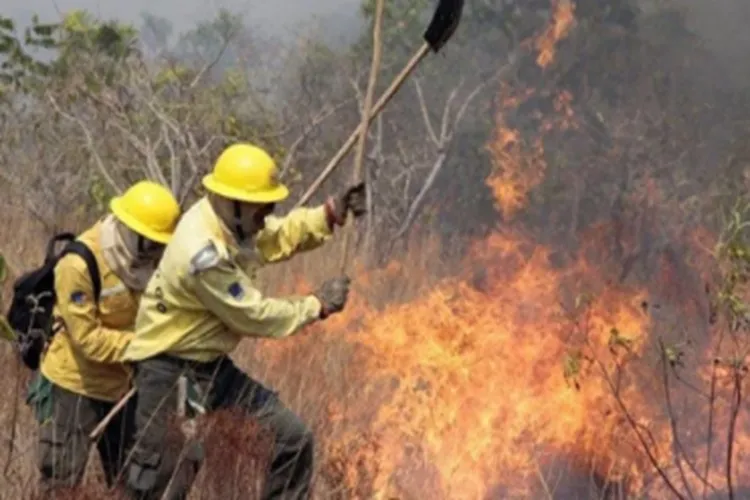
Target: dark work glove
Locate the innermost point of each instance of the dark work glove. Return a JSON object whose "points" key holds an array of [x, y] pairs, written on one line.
{"points": [[353, 200], [333, 295]]}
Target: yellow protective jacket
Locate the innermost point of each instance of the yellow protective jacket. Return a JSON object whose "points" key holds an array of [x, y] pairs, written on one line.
{"points": [[201, 302], [85, 355]]}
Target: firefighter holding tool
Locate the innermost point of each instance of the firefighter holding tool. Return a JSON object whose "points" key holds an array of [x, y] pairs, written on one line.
{"points": [[203, 300]]}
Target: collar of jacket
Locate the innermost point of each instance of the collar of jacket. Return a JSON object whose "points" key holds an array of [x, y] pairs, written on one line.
{"points": [[220, 230]]}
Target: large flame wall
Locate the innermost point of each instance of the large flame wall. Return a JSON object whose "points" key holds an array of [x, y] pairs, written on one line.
{"points": [[529, 375]]}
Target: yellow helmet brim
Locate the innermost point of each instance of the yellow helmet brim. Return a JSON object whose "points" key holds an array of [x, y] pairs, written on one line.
{"points": [[273, 195], [131, 222]]}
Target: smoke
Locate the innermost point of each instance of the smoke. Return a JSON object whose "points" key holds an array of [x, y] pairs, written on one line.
{"points": [[722, 25], [339, 18]]}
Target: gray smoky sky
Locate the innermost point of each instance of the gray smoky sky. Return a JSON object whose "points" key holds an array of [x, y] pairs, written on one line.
{"points": [[274, 17], [722, 24]]}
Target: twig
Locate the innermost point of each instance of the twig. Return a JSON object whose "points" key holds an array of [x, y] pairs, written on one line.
{"points": [[448, 128], [315, 122], [174, 164], [90, 141], [673, 422], [542, 479], [736, 406], [710, 437], [372, 172], [417, 202], [636, 428], [152, 165], [366, 107], [14, 418], [425, 113], [207, 67]]}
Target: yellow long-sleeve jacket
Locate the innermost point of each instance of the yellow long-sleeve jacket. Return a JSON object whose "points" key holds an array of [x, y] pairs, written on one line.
{"points": [[200, 302], [85, 355]]}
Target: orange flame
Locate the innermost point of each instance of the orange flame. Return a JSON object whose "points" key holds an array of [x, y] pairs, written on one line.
{"points": [[482, 385], [519, 169], [562, 20]]}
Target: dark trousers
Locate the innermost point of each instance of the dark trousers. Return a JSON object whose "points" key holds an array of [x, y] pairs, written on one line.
{"points": [[64, 443], [222, 385]]}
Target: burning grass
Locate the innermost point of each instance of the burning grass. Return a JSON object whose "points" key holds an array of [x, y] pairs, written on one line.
{"points": [[529, 373], [538, 369], [238, 453]]}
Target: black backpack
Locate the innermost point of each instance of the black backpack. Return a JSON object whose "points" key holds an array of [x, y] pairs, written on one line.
{"points": [[30, 313]]}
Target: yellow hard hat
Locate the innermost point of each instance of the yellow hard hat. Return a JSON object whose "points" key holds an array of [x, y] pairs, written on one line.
{"points": [[244, 172], [149, 209]]}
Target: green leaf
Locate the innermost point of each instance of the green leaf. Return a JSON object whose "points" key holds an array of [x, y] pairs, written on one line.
{"points": [[674, 356], [45, 30], [3, 269], [7, 24], [6, 332]]}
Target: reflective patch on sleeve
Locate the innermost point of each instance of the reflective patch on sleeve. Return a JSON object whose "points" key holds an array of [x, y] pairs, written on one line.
{"points": [[206, 258], [78, 297], [119, 288], [236, 291]]}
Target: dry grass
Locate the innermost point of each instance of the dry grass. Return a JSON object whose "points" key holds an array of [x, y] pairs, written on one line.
{"points": [[237, 457]]}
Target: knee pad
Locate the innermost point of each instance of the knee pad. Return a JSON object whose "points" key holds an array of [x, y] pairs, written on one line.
{"points": [[61, 459]]}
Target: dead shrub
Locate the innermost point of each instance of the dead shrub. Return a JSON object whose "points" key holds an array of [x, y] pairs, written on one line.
{"points": [[237, 456]]}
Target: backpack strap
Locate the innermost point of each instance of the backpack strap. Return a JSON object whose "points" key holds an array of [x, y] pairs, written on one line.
{"points": [[79, 248], [50, 255]]}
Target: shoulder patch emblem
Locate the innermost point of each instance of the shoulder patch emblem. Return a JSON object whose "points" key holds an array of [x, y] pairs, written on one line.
{"points": [[78, 297], [206, 258], [236, 291]]}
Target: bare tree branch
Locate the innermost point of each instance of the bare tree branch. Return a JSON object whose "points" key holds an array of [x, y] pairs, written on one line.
{"points": [[209, 66], [425, 113], [317, 120], [90, 142]]}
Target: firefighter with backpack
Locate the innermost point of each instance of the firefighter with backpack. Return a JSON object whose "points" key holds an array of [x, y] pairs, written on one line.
{"points": [[98, 281]]}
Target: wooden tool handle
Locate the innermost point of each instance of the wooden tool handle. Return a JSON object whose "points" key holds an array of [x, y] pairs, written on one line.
{"points": [[376, 109], [109, 416]]}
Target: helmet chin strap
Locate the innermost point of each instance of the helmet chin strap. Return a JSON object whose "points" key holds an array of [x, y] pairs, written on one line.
{"points": [[142, 251], [241, 235]]}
